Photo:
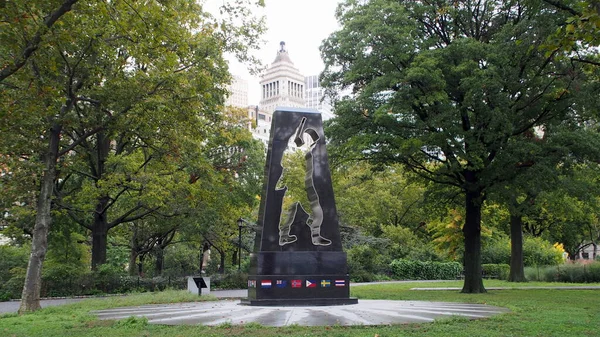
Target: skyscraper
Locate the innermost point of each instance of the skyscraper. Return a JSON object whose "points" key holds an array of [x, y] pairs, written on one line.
{"points": [[238, 92], [315, 97], [281, 85]]}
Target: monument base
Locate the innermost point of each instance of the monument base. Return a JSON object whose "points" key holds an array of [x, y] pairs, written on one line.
{"points": [[298, 278]]}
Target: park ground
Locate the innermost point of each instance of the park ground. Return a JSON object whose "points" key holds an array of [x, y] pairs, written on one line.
{"points": [[534, 312]]}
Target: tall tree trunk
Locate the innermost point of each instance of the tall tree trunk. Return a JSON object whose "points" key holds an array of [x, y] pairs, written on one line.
{"points": [[30, 298], [222, 260], [132, 260], [100, 226], [517, 270], [472, 234], [204, 258], [160, 258], [140, 265], [99, 233], [133, 253]]}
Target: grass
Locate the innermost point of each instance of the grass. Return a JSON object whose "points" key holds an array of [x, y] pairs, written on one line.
{"points": [[534, 313]]}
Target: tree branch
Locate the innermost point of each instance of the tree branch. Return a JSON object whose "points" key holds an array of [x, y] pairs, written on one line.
{"points": [[125, 217], [34, 43], [562, 6], [79, 140]]}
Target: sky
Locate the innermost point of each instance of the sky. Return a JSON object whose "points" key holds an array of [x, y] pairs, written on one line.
{"points": [[303, 25]]}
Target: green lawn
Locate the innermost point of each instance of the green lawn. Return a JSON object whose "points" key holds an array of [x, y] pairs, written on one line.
{"points": [[534, 313]]}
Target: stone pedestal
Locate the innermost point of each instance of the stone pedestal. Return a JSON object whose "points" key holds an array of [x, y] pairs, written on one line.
{"points": [[299, 278]]}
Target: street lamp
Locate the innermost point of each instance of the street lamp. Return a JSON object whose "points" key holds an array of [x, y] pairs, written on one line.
{"points": [[240, 223]]}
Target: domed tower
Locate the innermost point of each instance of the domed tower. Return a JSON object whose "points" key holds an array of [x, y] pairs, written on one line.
{"points": [[282, 84]]}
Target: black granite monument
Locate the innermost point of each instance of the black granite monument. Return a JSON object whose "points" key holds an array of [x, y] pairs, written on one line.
{"points": [[298, 257]]}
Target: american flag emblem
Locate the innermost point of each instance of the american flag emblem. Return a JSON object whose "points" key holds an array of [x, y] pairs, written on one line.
{"points": [[265, 284], [251, 283], [281, 283], [311, 283], [340, 283], [296, 283]]}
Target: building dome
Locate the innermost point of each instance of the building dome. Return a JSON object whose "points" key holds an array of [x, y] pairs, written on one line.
{"points": [[282, 54]]}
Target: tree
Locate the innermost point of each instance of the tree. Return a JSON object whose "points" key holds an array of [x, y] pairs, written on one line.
{"points": [[28, 18], [579, 33], [374, 199], [107, 66], [450, 89]]}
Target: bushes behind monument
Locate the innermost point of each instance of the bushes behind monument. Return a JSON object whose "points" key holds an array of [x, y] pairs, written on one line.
{"points": [[429, 270]]}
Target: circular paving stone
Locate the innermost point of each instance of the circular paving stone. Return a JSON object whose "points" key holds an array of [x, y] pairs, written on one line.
{"points": [[366, 312]]}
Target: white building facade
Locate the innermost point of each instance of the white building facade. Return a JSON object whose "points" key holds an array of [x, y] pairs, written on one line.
{"points": [[282, 84], [238, 93], [315, 97]]}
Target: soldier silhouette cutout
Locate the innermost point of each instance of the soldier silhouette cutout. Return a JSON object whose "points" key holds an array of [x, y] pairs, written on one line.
{"points": [[297, 214]]}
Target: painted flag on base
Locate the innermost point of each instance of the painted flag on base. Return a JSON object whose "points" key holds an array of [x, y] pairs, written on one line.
{"points": [[281, 283], [251, 283], [265, 284], [325, 283], [311, 283], [340, 283], [296, 283]]}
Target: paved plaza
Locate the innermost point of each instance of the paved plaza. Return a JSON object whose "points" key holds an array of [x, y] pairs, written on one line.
{"points": [[366, 312]]}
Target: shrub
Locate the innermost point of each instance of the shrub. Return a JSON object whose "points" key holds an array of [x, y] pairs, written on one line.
{"points": [[60, 279], [13, 261], [496, 252], [539, 252], [14, 286], [499, 271], [367, 264], [417, 270], [233, 280], [536, 251], [574, 273]]}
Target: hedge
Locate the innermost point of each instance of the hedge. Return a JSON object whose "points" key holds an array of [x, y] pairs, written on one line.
{"points": [[492, 270], [417, 270]]}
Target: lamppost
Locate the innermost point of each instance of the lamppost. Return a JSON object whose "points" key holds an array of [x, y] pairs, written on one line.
{"points": [[240, 223], [248, 224]]}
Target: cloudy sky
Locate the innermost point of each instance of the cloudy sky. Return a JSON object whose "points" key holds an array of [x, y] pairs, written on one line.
{"points": [[302, 24]]}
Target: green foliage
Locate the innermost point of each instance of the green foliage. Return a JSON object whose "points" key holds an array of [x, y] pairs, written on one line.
{"points": [[455, 101], [13, 261], [375, 198], [429, 270], [106, 276], [367, 264], [568, 273], [497, 271], [181, 260], [231, 280], [139, 100], [447, 233], [536, 251], [497, 251]]}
